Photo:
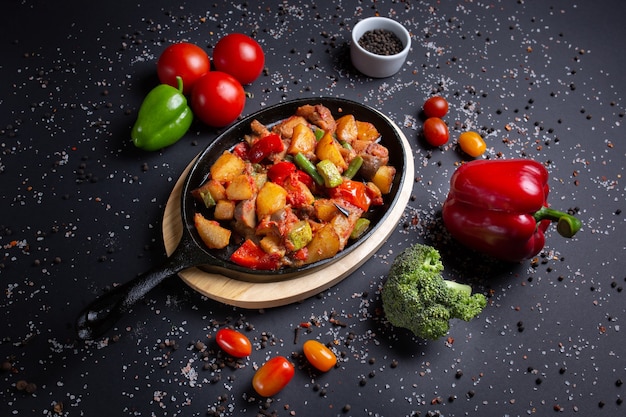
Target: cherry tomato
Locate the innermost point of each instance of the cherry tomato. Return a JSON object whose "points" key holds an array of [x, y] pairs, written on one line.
{"points": [[436, 131], [472, 144], [319, 355], [435, 107], [273, 376], [217, 99], [186, 60], [240, 56], [234, 343]]}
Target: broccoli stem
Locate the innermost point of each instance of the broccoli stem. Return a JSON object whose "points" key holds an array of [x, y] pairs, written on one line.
{"points": [[464, 288]]}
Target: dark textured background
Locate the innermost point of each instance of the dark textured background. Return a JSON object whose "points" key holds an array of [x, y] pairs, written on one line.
{"points": [[81, 210]]}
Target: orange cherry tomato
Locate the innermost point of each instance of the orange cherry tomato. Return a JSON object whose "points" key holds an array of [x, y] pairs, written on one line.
{"points": [[233, 342], [319, 355], [273, 376], [472, 144]]}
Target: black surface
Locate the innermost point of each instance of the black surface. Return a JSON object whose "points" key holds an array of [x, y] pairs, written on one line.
{"points": [[81, 212]]}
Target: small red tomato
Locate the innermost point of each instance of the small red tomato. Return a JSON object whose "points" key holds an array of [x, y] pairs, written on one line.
{"points": [[233, 342], [184, 60], [435, 107], [319, 355], [273, 376], [436, 131], [472, 144], [217, 99], [240, 56]]}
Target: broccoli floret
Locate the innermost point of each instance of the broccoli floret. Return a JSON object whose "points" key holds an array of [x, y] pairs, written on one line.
{"points": [[417, 297]]}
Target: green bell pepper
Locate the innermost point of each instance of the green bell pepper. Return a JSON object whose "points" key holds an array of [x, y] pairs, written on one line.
{"points": [[164, 117]]}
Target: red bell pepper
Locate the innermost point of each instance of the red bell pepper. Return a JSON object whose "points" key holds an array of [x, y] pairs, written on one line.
{"points": [[499, 207], [354, 192], [264, 147], [279, 172], [250, 255]]}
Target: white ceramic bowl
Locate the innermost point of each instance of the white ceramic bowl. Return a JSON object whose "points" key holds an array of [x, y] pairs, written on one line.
{"points": [[374, 65]]}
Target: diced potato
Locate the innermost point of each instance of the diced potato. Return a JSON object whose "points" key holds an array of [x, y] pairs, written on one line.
{"points": [[374, 193], [325, 209], [343, 226], [303, 140], [224, 210], [271, 198], [242, 187], [325, 244], [227, 167], [212, 234], [346, 128], [273, 245], [298, 194], [367, 131], [328, 148], [216, 189], [209, 193], [383, 178]]}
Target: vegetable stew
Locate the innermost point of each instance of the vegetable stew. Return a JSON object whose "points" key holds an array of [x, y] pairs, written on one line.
{"points": [[295, 192]]}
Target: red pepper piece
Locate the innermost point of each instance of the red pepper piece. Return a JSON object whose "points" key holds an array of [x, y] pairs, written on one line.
{"points": [[264, 147], [241, 150], [306, 179], [354, 192], [250, 255], [279, 172], [500, 208]]}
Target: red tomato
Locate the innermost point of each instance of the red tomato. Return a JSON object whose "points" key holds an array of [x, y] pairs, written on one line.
{"points": [[354, 192], [240, 56], [436, 131], [186, 60], [217, 99], [233, 342], [435, 107], [319, 355], [273, 376]]}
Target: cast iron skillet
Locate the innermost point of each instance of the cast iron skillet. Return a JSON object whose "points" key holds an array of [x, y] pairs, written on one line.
{"points": [[102, 313]]}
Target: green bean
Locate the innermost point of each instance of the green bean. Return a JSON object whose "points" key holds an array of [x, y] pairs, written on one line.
{"points": [[319, 133], [307, 166], [354, 167], [361, 225]]}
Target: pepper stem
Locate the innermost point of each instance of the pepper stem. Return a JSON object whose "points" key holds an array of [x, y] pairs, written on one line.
{"points": [[567, 225], [179, 80]]}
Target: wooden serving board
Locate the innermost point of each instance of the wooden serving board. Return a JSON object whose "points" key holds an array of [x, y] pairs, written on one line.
{"points": [[272, 294]]}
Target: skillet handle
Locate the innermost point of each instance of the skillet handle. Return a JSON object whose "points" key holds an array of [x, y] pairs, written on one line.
{"points": [[106, 310]]}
